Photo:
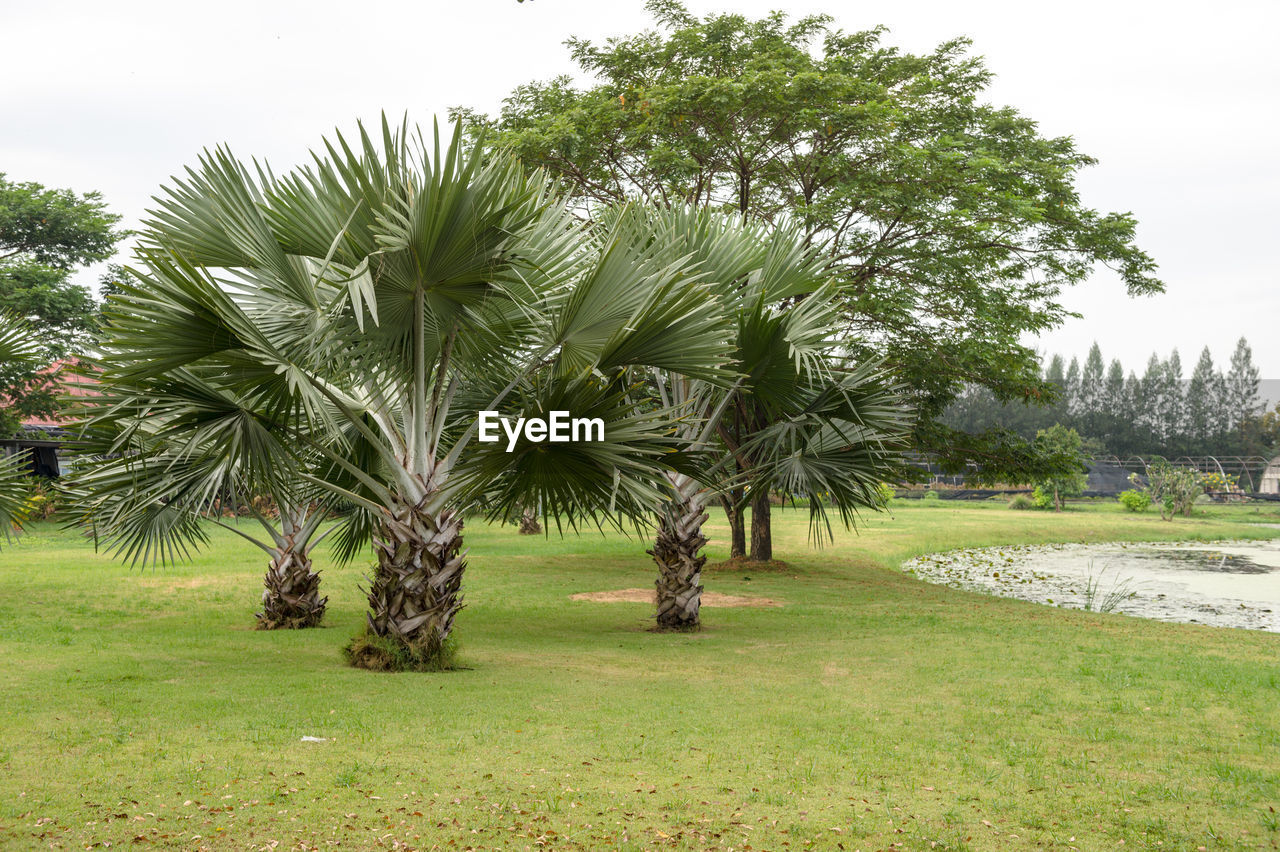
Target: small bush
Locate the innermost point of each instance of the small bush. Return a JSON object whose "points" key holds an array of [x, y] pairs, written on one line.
{"points": [[41, 502], [1175, 489], [1135, 500], [1021, 502], [1042, 498], [886, 493], [931, 497]]}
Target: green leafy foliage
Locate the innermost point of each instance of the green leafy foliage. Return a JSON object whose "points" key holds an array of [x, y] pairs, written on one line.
{"points": [[1134, 500], [952, 225], [1174, 489], [339, 327], [44, 234], [19, 349], [1066, 447]]}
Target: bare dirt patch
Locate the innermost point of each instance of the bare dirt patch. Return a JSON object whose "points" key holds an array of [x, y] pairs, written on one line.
{"points": [[711, 599]]}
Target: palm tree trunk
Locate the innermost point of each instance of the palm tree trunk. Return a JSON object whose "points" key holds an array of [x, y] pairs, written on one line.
{"points": [[529, 522], [415, 591], [761, 527], [676, 551], [292, 596]]}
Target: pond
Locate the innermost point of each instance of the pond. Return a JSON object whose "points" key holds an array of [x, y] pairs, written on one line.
{"points": [[1224, 584]]}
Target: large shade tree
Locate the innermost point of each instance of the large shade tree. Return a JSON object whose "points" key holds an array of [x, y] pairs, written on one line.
{"points": [[393, 289], [953, 225]]}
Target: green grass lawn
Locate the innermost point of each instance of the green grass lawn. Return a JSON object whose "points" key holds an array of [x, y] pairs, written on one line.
{"points": [[871, 711]]}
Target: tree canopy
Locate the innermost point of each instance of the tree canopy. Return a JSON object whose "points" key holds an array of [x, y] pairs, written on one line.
{"points": [[44, 234], [953, 224]]}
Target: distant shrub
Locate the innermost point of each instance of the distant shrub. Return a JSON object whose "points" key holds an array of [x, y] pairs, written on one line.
{"points": [[1021, 502], [1219, 483], [41, 502], [1135, 500], [886, 493], [1042, 498], [1174, 489], [931, 497], [1067, 448]]}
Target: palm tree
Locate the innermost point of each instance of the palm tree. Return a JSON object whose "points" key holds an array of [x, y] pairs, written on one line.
{"points": [[180, 449], [18, 348], [391, 291], [529, 524], [800, 417]]}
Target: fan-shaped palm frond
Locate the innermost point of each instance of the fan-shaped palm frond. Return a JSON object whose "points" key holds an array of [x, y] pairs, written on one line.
{"points": [[19, 347], [798, 417], [174, 452], [366, 307]]}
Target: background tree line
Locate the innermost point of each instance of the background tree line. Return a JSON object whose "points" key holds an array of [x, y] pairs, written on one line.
{"points": [[45, 234], [1160, 412]]}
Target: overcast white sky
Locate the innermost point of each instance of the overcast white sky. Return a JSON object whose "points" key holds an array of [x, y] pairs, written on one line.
{"points": [[1179, 102]]}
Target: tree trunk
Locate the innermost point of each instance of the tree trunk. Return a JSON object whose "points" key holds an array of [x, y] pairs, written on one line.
{"points": [[292, 596], [529, 522], [737, 524], [676, 551], [414, 593], [761, 527]]}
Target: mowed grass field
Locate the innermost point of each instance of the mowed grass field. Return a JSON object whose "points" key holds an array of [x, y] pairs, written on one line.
{"points": [[870, 711]]}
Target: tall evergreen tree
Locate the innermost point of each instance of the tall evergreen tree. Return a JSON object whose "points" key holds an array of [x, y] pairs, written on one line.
{"points": [[1173, 408], [1055, 376], [1152, 395], [1055, 373], [1134, 432], [1091, 390], [1241, 400], [1071, 392], [1202, 401], [1115, 413]]}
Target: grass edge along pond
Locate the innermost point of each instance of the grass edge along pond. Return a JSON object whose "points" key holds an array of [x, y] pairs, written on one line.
{"points": [[870, 711]]}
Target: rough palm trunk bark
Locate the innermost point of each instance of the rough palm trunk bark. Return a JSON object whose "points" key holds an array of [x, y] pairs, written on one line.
{"points": [[761, 527], [676, 550], [735, 512], [529, 522], [292, 596], [415, 592]]}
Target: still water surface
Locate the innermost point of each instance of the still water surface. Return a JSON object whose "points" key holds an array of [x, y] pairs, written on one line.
{"points": [[1226, 584]]}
